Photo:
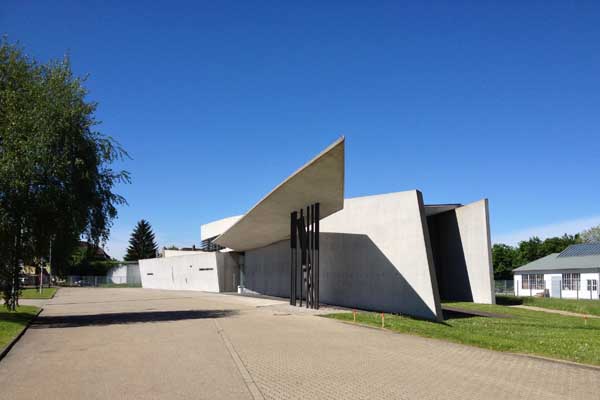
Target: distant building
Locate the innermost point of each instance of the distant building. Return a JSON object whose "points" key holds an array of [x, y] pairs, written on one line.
{"points": [[572, 274], [96, 253]]}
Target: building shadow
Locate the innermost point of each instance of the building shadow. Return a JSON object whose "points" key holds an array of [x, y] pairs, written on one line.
{"points": [[353, 273], [449, 257], [508, 301], [75, 321], [367, 279]]}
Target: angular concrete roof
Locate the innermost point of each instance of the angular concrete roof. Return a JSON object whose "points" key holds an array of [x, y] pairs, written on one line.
{"points": [[320, 180]]}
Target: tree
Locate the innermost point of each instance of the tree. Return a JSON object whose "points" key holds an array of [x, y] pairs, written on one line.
{"points": [[56, 169], [141, 244], [504, 260], [591, 235], [558, 244]]}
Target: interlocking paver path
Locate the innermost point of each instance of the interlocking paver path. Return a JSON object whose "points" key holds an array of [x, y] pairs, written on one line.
{"points": [[154, 344]]}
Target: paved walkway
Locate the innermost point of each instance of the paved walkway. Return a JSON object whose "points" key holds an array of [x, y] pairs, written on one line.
{"points": [[150, 344], [561, 312]]}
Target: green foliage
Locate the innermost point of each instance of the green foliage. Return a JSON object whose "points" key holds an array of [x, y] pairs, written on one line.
{"points": [[47, 293], [87, 260], [12, 323], [591, 235], [505, 258], [525, 331], [56, 169], [141, 244]]}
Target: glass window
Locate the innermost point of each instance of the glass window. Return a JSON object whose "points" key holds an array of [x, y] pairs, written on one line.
{"points": [[592, 285], [570, 281], [533, 281]]}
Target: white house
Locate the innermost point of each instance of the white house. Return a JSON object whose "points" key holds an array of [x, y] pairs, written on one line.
{"points": [[572, 274]]}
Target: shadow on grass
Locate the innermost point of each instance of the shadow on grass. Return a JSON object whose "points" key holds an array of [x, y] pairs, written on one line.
{"points": [[508, 301], [75, 321], [20, 317]]}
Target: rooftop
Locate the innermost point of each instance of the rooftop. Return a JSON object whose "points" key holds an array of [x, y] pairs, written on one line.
{"points": [[575, 257]]}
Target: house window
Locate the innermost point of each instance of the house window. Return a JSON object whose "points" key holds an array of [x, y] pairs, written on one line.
{"points": [[592, 285], [533, 281], [570, 281]]}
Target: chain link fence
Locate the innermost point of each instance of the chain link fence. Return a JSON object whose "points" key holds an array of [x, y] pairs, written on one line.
{"points": [[99, 281], [505, 287]]}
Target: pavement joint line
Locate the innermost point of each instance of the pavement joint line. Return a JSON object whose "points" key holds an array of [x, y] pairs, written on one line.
{"points": [[252, 387], [553, 311], [510, 353]]}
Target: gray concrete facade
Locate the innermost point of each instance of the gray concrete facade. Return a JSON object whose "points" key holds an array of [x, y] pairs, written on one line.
{"points": [[388, 253], [461, 246], [204, 271], [378, 253]]}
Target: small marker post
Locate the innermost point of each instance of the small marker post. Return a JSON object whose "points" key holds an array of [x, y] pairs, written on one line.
{"points": [[354, 314], [382, 320]]}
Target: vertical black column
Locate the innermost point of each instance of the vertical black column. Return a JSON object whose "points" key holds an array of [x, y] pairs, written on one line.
{"points": [[312, 256], [304, 238], [316, 259], [293, 267], [308, 260]]}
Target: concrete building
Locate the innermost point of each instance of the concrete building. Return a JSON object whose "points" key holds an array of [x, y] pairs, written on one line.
{"points": [[127, 272], [571, 274], [389, 252]]}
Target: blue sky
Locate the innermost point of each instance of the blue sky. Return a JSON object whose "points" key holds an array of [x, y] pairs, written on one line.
{"points": [[217, 102]]}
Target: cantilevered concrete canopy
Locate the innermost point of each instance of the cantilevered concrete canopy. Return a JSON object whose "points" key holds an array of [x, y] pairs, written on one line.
{"points": [[321, 180]]}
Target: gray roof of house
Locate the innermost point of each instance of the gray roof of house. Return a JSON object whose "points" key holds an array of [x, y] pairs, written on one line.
{"points": [[560, 261], [578, 250]]}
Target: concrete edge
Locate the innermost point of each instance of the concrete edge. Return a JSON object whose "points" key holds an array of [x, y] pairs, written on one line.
{"points": [[555, 360], [10, 345], [521, 355]]}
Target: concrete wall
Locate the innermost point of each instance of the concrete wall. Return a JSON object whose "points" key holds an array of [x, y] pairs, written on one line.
{"points": [[462, 253], [204, 271], [375, 254], [177, 253], [133, 274], [124, 274]]}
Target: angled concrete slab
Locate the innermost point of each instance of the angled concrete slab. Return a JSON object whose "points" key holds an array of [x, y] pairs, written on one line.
{"points": [[320, 180]]}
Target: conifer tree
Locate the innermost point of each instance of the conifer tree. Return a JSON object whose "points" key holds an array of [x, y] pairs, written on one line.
{"points": [[142, 244]]}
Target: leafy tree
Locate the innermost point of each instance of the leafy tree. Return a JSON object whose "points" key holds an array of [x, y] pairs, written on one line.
{"points": [[591, 235], [141, 244], [504, 259], [529, 250], [56, 169], [558, 244]]}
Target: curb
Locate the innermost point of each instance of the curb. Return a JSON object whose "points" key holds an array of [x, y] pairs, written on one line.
{"points": [[9, 346], [521, 355]]}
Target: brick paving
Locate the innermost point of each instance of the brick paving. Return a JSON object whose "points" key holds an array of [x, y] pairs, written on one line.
{"points": [[189, 345]]}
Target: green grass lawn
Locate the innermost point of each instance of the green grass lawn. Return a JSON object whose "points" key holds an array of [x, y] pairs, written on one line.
{"points": [[532, 332], [47, 293], [591, 307], [12, 323]]}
